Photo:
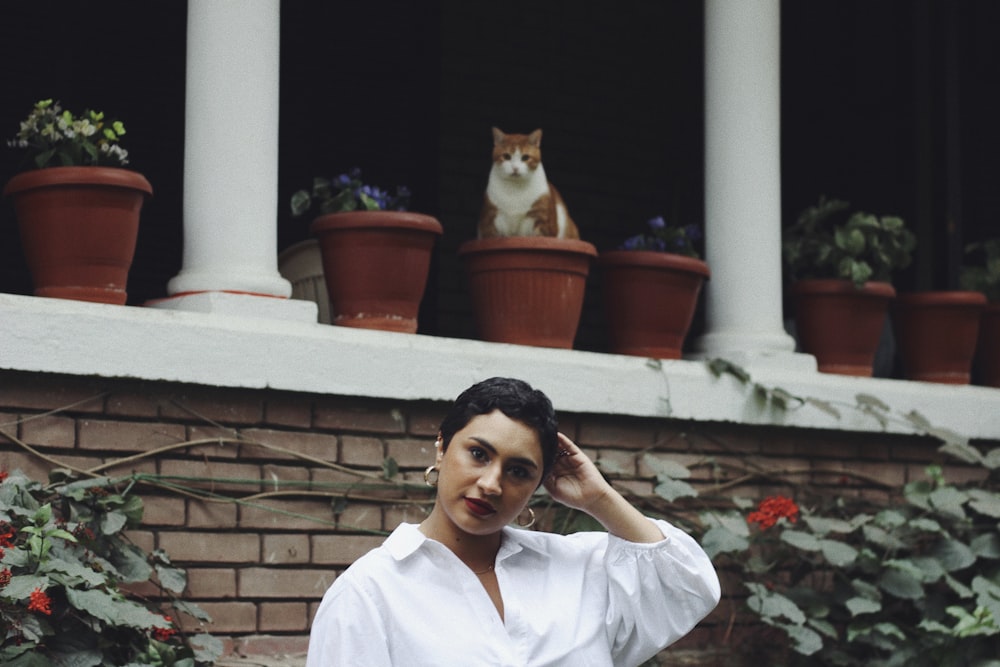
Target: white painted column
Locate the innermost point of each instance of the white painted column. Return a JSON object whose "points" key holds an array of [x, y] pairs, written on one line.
{"points": [[743, 185], [230, 260]]}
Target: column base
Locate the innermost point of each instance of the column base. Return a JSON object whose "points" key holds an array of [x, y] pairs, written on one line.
{"points": [[241, 305], [772, 351]]}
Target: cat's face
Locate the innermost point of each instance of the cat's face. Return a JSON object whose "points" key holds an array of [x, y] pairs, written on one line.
{"points": [[517, 156]]}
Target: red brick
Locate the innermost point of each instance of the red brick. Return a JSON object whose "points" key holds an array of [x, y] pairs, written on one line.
{"points": [[285, 549], [283, 617], [289, 410], [49, 431], [45, 392], [412, 453], [425, 419], [262, 645], [216, 442], [232, 616], [211, 547], [211, 583], [267, 443], [131, 403], [162, 511], [144, 539], [35, 468], [397, 514], [340, 417], [265, 582], [212, 405], [207, 514], [127, 436], [360, 516], [362, 451], [622, 433], [342, 549], [215, 476], [277, 514]]}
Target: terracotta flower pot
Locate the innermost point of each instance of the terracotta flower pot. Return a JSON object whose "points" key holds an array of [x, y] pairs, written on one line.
{"points": [[527, 289], [937, 334], [78, 228], [841, 324], [375, 265], [649, 300], [987, 359]]}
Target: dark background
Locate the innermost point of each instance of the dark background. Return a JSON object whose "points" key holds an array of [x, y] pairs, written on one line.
{"points": [[891, 105]]}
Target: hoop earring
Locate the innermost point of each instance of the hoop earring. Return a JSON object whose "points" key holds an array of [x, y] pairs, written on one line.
{"points": [[427, 476], [531, 519]]}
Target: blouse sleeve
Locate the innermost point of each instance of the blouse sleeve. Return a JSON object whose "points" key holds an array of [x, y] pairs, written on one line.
{"points": [[658, 592], [347, 630]]}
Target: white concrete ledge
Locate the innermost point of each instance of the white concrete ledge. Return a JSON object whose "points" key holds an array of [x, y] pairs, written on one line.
{"points": [[78, 338]]}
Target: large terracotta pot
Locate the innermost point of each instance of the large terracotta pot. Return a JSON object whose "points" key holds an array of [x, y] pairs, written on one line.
{"points": [[649, 300], [527, 290], [987, 359], [375, 265], [937, 333], [78, 228], [841, 324]]}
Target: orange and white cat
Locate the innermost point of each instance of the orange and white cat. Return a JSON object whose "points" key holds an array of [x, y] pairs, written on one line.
{"points": [[519, 199]]}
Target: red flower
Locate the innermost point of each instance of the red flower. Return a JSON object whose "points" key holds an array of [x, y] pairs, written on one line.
{"points": [[40, 602], [6, 534], [773, 508], [4, 575], [164, 634], [3, 475]]}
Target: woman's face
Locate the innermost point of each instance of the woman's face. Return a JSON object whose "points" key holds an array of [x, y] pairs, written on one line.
{"points": [[491, 468]]}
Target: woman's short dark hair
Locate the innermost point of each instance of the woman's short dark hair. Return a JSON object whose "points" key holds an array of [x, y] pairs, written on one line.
{"points": [[516, 399]]}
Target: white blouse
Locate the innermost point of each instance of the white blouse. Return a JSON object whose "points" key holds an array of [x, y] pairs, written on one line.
{"points": [[587, 599]]}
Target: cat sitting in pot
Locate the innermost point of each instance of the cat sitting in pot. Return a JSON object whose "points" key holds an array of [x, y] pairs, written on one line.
{"points": [[519, 199]]}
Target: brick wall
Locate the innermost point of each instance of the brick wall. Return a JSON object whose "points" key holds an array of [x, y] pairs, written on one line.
{"points": [[259, 567]]}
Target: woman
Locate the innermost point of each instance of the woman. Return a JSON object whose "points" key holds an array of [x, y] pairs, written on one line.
{"points": [[463, 588]]}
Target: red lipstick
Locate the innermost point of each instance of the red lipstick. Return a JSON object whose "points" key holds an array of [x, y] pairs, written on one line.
{"points": [[479, 507]]}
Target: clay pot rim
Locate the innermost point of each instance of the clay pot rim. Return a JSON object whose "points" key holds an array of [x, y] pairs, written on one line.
{"points": [[874, 288], [527, 243], [653, 259], [375, 219], [81, 175], [942, 298]]}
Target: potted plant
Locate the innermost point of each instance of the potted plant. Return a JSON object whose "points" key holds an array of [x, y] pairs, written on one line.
{"points": [[527, 290], [376, 254], [840, 263], [651, 286], [982, 274], [77, 208]]}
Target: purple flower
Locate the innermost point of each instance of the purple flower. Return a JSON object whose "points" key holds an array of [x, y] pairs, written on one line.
{"points": [[657, 223]]}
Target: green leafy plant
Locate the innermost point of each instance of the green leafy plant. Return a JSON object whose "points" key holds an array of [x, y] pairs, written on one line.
{"points": [[829, 241], [347, 192], [984, 275], [51, 136], [64, 559], [661, 237]]}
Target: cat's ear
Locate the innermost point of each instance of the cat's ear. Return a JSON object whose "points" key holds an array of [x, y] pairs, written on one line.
{"points": [[535, 138], [498, 136]]}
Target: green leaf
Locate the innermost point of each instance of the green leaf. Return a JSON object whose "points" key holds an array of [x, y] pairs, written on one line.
{"points": [[20, 586], [666, 468], [390, 468], [207, 649], [75, 570], [992, 459], [806, 641], [769, 604], [800, 540], [823, 525], [837, 553], [901, 581], [985, 502], [858, 606], [734, 522], [953, 555], [131, 564], [172, 578], [720, 540], [949, 500], [192, 609], [672, 489], [986, 545], [112, 610], [113, 522], [987, 595]]}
